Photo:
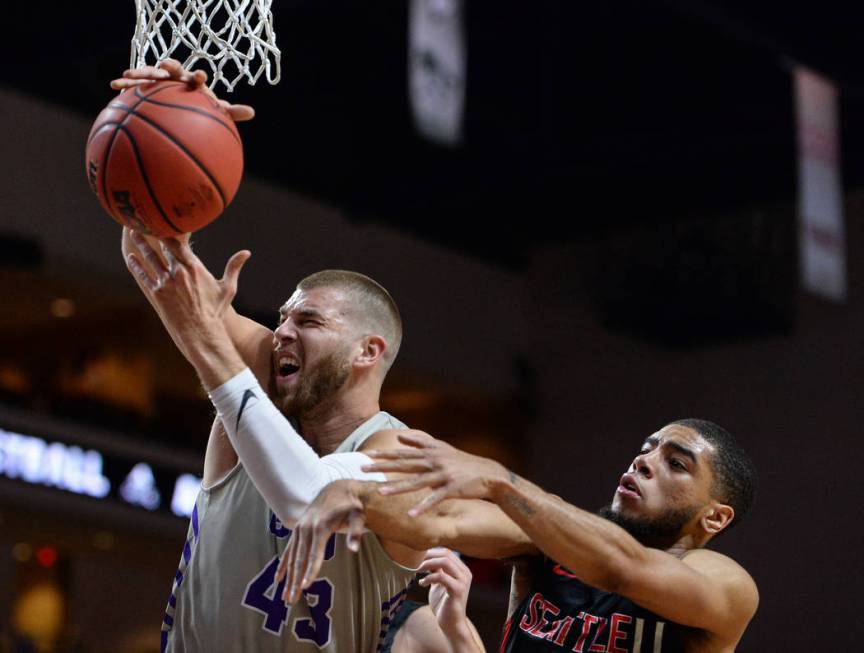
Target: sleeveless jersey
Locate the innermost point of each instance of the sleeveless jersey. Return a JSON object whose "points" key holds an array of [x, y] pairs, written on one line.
{"points": [[561, 613], [224, 597]]}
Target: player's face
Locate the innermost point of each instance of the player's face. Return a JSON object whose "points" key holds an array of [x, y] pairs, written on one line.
{"points": [[312, 353], [667, 483]]}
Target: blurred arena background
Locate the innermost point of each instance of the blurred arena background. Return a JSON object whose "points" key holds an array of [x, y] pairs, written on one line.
{"points": [[613, 239]]}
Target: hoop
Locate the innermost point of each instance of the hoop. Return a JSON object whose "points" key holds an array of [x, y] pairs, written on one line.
{"points": [[235, 37]]}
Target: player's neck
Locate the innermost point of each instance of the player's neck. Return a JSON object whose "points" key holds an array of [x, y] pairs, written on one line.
{"points": [[326, 427], [686, 542]]}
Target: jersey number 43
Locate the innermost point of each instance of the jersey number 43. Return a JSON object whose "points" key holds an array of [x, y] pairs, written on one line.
{"points": [[265, 596]]}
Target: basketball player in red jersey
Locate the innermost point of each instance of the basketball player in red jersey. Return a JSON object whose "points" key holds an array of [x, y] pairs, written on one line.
{"points": [[636, 578]]}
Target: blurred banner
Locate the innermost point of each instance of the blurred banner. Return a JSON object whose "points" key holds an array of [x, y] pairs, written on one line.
{"points": [[436, 68], [103, 471], [820, 191]]}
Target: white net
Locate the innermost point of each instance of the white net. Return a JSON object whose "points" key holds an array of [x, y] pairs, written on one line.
{"points": [[235, 37]]}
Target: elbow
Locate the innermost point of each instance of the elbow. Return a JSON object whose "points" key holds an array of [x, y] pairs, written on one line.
{"points": [[422, 542], [391, 521], [427, 535], [611, 579]]}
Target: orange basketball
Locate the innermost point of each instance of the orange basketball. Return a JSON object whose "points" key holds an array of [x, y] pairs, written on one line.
{"points": [[164, 159]]}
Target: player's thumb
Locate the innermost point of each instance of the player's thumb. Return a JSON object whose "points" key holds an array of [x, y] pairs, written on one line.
{"points": [[233, 267]]}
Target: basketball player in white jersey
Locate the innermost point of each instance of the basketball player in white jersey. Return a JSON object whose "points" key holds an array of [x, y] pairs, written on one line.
{"points": [[329, 363], [338, 337], [224, 596]]}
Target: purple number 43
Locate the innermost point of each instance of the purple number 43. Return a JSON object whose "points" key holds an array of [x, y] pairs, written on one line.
{"points": [[264, 596]]}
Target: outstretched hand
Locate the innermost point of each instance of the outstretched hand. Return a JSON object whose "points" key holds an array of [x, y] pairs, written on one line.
{"points": [[177, 279], [190, 301], [450, 472], [171, 69], [337, 507]]}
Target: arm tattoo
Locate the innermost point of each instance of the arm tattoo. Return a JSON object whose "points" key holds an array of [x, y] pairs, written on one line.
{"points": [[518, 502]]}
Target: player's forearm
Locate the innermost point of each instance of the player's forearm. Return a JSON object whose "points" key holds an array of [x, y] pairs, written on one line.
{"points": [[250, 340], [476, 640], [476, 528], [462, 638], [287, 472], [593, 548], [388, 517], [213, 355]]}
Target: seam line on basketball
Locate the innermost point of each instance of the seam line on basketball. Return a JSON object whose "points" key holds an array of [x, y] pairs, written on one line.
{"points": [[96, 130], [110, 147], [123, 107], [114, 105], [179, 144], [143, 172], [200, 112], [108, 151], [104, 170]]}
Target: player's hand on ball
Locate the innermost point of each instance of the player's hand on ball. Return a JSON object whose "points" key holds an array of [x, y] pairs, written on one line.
{"points": [[337, 507], [450, 472], [167, 70], [171, 69]]}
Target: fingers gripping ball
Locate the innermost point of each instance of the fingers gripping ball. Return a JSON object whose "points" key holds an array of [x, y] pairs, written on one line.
{"points": [[164, 159]]}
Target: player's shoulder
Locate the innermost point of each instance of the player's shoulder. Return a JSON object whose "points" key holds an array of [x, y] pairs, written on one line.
{"points": [[714, 562], [388, 439], [737, 583]]}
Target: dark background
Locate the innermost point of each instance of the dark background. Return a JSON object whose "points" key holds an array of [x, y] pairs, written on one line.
{"points": [[628, 176], [686, 102]]}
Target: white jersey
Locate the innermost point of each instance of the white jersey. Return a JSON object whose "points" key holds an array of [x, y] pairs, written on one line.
{"points": [[224, 598]]}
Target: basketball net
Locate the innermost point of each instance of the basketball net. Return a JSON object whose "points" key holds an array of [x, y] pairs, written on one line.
{"points": [[235, 37]]}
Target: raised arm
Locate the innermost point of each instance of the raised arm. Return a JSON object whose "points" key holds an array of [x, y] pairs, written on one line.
{"points": [[194, 307], [221, 345], [702, 588], [252, 340]]}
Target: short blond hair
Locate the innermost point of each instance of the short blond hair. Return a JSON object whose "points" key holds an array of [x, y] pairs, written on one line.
{"points": [[371, 301]]}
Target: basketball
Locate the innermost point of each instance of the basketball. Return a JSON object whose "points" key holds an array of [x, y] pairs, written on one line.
{"points": [[164, 159]]}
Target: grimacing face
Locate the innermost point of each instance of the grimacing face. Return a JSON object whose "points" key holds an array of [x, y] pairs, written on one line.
{"points": [[671, 478], [313, 345]]}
